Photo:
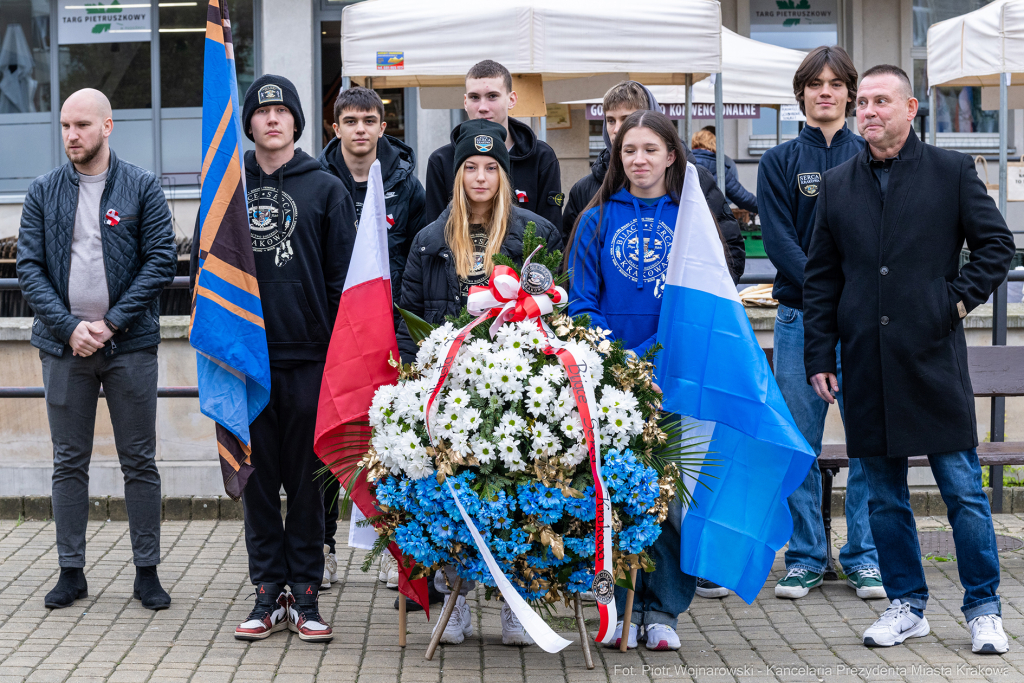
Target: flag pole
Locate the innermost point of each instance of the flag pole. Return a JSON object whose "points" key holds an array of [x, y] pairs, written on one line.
{"points": [[627, 615], [401, 620]]}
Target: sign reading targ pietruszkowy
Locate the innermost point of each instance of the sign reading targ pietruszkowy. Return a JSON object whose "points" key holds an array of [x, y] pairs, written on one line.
{"points": [[103, 22]]}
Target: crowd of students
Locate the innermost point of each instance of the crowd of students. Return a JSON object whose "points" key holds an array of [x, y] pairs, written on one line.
{"points": [[482, 188]]}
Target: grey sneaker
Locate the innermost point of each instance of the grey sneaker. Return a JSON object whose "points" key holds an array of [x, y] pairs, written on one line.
{"points": [[512, 631]]}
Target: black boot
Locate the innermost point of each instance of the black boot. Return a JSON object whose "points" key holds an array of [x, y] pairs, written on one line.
{"points": [[70, 586], [149, 590]]}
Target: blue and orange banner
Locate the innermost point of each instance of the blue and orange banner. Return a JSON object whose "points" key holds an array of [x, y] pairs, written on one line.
{"points": [[227, 329]]}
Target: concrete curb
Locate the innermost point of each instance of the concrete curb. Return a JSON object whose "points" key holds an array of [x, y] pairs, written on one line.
{"points": [[193, 508]]}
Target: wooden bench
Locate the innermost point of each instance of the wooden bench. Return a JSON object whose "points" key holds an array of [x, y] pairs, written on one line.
{"points": [[996, 372]]}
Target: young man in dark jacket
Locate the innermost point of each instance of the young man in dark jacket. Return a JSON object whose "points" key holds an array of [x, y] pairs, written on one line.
{"points": [[536, 178], [95, 251], [359, 126], [788, 182], [303, 227], [619, 102]]}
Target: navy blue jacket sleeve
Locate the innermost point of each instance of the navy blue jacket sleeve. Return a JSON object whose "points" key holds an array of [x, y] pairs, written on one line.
{"points": [[738, 194], [775, 204]]}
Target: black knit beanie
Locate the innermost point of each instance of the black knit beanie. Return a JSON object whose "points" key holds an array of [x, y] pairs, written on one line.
{"points": [[271, 89], [480, 137]]}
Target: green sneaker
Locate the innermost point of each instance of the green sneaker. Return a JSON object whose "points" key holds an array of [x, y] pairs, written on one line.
{"points": [[867, 582], [798, 583]]}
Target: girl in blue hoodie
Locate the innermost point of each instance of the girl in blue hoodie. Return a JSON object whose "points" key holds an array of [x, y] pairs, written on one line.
{"points": [[618, 261]]}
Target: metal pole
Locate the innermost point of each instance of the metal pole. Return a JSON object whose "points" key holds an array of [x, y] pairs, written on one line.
{"points": [[543, 134], [998, 419], [933, 121], [688, 127], [778, 126], [155, 100], [719, 133]]}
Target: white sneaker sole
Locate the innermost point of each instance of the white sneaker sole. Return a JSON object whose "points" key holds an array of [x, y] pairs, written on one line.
{"points": [[922, 629], [794, 593], [991, 648], [662, 645], [713, 593], [310, 638], [279, 626], [871, 593], [391, 583], [516, 638]]}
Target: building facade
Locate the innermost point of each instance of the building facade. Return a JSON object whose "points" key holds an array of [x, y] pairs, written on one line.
{"points": [[146, 55]]}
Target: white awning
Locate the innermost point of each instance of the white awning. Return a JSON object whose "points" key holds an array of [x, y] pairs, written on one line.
{"points": [[973, 49], [579, 47]]}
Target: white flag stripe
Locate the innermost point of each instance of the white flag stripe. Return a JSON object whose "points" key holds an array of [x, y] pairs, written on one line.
{"points": [[370, 253], [697, 260]]}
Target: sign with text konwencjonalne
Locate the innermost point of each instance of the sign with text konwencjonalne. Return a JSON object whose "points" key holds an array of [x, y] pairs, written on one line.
{"points": [[103, 22]]}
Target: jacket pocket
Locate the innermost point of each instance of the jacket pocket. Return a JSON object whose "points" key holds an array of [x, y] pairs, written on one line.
{"points": [[943, 325], [289, 318]]}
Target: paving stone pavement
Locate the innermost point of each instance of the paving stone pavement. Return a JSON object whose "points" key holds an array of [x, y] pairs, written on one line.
{"points": [[110, 637]]}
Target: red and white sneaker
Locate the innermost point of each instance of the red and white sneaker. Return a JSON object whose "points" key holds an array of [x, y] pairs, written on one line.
{"points": [[304, 616], [267, 616]]}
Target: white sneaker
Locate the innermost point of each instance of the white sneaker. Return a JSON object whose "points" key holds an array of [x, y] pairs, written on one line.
{"points": [[616, 640], [461, 623], [330, 568], [896, 624], [388, 571], [512, 631], [987, 635], [662, 637]]}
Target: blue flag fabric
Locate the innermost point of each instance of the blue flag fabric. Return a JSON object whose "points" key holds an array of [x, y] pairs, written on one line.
{"points": [[712, 369], [227, 329]]}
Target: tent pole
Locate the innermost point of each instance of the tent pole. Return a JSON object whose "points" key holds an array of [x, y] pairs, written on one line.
{"points": [[719, 131], [778, 125], [997, 423], [543, 129], [688, 129], [933, 120]]}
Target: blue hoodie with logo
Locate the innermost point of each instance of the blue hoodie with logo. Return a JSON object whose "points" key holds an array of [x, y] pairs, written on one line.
{"points": [[788, 180], [616, 277]]}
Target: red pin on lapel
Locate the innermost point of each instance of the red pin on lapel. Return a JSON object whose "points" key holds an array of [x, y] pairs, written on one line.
{"points": [[112, 217]]}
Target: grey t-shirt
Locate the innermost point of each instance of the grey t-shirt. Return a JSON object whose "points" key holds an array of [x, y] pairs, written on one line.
{"points": [[87, 282]]}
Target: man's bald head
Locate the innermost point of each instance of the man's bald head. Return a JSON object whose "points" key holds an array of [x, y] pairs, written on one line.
{"points": [[86, 122]]}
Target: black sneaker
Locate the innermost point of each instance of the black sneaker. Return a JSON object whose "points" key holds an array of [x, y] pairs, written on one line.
{"points": [[709, 589], [304, 616], [269, 615]]}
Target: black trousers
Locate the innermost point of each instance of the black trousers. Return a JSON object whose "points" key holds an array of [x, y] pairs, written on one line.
{"points": [[332, 506], [289, 551]]}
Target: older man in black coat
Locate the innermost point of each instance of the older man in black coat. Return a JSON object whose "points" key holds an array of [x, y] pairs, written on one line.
{"points": [[881, 277]]}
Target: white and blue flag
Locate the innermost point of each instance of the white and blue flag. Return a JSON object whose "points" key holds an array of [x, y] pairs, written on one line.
{"points": [[712, 369]]}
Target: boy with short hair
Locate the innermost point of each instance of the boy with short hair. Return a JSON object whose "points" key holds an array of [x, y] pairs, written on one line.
{"points": [[359, 126], [535, 174], [788, 179]]}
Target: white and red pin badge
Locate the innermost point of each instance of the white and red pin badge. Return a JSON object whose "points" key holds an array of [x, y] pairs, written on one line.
{"points": [[112, 217], [391, 220], [521, 196]]}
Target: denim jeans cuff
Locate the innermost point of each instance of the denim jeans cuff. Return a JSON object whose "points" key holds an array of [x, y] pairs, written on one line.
{"points": [[916, 603], [816, 570], [653, 617], [982, 607], [851, 570]]}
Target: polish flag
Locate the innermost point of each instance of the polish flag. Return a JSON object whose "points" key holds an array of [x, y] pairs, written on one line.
{"points": [[358, 364], [521, 196]]}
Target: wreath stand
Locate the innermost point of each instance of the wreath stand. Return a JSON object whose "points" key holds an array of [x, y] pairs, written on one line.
{"points": [[446, 614]]}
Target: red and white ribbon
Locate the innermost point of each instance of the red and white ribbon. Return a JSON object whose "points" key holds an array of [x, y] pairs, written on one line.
{"points": [[504, 299]]}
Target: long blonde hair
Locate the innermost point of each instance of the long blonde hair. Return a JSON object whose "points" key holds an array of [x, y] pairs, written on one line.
{"points": [[456, 230]]}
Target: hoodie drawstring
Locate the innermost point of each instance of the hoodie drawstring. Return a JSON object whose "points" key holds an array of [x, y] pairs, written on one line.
{"points": [[641, 247]]}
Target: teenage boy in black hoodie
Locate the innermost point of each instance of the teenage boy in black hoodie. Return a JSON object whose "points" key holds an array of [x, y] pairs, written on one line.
{"points": [[359, 126], [536, 178], [621, 100], [303, 227]]}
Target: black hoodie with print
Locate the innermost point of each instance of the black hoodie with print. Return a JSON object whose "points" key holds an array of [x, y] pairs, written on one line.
{"points": [[536, 177], [403, 196], [303, 226]]}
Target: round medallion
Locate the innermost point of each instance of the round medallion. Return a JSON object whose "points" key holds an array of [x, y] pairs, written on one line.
{"points": [[536, 279], [603, 587]]}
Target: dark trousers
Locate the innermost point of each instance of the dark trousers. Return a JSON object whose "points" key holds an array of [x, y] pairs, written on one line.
{"points": [[332, 506], [72, 385], [289, 551]]}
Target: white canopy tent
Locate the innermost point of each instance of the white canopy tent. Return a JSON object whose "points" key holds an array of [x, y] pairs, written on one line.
{"points": [[752, 73], [577, 48], [982, 48]]}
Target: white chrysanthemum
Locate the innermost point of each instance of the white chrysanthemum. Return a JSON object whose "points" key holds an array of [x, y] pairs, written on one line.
{"points": [[563, 404], [506, 383], [508, 451], [485, 451], [537, 406], [571, 426], [553, 374], [520, 367], [575, 455], [511, 424], [471, 419], [486, 386], [437, 340], [618, 422], [457, 400]]}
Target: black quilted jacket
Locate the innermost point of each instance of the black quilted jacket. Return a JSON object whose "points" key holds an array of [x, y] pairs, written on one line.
{"points": [[138, 252]]}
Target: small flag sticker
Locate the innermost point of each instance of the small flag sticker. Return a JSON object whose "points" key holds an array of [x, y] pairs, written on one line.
{"points": [[112, 217], [521, 196], [390, 61]]}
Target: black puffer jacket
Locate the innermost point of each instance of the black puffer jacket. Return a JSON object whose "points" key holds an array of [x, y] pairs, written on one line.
{"points": [[431, 289], [138, 253], [587, 186]]}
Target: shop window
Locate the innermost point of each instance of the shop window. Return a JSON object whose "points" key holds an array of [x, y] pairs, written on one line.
{"points": [[183, 45], [24, 57], [928, 12]]}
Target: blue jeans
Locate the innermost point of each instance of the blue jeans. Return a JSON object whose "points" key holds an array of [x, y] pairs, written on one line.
{"points": [[807, 547], [662, 595], [958, 475]]}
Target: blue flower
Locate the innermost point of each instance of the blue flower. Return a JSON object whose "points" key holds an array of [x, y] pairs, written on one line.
{"points": [[581, 580], [634, 539], [581, 547], [583, 509]]}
